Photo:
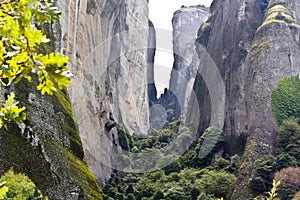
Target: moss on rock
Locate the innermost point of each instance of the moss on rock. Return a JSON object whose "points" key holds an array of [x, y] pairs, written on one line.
{"points": [[50, 150], [279, 13]]}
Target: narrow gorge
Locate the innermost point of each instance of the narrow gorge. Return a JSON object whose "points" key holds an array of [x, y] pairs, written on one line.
{"points": [[216, 119]]}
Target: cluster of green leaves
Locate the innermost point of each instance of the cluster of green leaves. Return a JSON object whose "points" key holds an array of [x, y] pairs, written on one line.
{"points": [[288, 138], [264, 169], [188, 184], [290, 182], [286, 108], [187, 177], [11, 112], [272, 194], [211, 141], [19, 186], [154, 140], [20, 43], [286, 99], [170, 141]]}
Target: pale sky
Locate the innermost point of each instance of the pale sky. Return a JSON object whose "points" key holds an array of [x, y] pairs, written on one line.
{"points": [[161, 13]]}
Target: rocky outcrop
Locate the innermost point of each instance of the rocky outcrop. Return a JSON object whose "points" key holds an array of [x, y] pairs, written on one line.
{"points": [[228, 35], [107, 45], [186, 23], [47, 146], [172, 104], [252, 50], [274, 54], [152, 93]]}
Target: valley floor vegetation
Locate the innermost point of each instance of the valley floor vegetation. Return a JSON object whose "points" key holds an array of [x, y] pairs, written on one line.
{"points": [[190, 178]]}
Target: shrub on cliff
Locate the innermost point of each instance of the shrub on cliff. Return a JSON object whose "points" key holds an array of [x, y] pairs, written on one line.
{"points": [[288, 138], [286, 99], [262, 176], [290, 182], [19, 186], [217, 183]]}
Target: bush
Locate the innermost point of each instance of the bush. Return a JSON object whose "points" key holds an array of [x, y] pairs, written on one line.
{"points": [[131, 197], [290, 182], [220, 163], [288, 138], [261, 179], [286, 99], [176, 193], [217, 183], [284, 160], [235, 162], [20, 187]]}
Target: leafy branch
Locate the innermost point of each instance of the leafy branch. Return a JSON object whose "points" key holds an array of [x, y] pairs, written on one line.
{"points": [[19, 56]]}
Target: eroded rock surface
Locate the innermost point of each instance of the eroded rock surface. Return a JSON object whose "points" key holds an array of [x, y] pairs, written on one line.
{"points": [[186, 23], [107, 45], [252, 50]]}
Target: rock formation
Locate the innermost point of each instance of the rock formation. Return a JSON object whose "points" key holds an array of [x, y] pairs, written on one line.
{"points": [[47, 146], [273, 54], [152, 93], [172, 104], [186, 23], [107, 45], [252, 49]]}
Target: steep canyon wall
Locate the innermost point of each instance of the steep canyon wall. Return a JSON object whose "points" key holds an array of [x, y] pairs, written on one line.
{"points": [[252, 50], [107, 45]]}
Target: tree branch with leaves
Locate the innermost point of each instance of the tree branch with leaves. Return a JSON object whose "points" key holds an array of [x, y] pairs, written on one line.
{"points": [[19, 52]]}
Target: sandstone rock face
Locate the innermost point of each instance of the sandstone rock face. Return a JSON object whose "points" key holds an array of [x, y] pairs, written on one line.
{"points": [[252, 51], [186, 23], [107, 45]]}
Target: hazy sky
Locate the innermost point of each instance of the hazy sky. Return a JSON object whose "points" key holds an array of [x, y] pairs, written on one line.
{"points": [[161, 13]]}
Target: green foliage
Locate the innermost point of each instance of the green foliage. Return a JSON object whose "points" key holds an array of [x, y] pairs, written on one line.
{"points": [[125, 139], [189, 184], [265, 168], [20, 187], [284, 160], [220, 163], [11, 112], [263, 174], [211, 141], [3, 190], [290, 182], [272, 194], [182, 177], [286, 99], [288, 138], [235, 163], [19, 46], [218, 183]]}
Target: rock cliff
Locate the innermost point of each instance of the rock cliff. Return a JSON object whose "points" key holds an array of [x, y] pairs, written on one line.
{"points": [[47, 146], [186, 23], [107, 45], [252, 49], [273, 54], [173, 102]]}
